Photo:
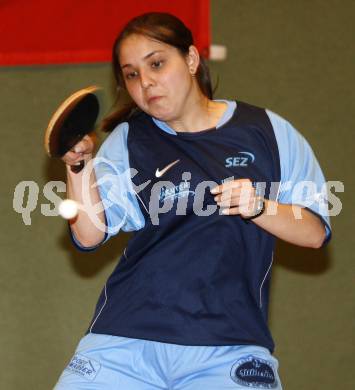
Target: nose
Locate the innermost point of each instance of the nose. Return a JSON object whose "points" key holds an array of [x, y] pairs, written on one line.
{"points": [[146, 80]]}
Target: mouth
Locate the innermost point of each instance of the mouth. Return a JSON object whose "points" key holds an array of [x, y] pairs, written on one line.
{"points": [[153, 99]]}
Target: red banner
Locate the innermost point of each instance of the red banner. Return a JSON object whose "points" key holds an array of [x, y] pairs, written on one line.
{"points": [[71, 31]]}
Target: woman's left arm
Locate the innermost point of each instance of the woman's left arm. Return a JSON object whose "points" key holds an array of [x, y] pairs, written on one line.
{"points": [[289, 222], [308, 230], [289, 216]]}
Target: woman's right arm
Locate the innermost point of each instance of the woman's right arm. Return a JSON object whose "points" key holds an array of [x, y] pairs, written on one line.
{"points": [[86, 231]]}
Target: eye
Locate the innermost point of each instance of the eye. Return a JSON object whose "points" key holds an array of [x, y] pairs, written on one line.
{"points": [[130, 75], [157, 64]]}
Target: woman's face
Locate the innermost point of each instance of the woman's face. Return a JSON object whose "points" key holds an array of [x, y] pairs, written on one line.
{"points": [[157, 76]]}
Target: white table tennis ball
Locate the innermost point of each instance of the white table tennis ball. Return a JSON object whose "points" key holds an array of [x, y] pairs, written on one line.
{"points": [[68, 209]]}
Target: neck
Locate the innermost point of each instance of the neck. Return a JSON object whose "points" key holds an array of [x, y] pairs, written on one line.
{"points": [[199, 113]]}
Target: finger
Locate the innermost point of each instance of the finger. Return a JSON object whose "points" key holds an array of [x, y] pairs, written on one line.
{"points": [[72, 158], [244, 194], [224, 204], [72, 154], [223, 199], [231, 211], [236, 201], [92, 136], [232, 184], [84, 146], [227, 195], [80, 147], [89, 139], [224, 187]]}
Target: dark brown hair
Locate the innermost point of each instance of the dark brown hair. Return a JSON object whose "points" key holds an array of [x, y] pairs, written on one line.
{"points": [[161, 27]]}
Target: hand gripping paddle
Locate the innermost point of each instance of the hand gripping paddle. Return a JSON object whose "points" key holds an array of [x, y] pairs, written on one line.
{"points": [[74, 118]]}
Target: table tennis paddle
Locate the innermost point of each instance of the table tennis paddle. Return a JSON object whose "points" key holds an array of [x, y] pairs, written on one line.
{"points": [[73, 119]]}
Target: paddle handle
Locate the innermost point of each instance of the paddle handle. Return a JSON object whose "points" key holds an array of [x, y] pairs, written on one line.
{"points": [[77, 168]]}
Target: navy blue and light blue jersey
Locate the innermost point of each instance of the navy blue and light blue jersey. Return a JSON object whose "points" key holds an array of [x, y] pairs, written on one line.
{"points": [[189, 274]]}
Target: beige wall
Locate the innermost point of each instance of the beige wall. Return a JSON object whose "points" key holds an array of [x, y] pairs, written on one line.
{"points": [[295, 58]]}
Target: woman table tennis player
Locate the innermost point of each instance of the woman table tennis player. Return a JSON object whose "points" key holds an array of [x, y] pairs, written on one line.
{"points": [[186, 306]]}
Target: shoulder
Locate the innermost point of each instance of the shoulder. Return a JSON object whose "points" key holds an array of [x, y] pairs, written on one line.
{"points": [[115, 142], [282, 125], [121, 130], [250, 111], [287, 136], [138, 117], [251, 114]]}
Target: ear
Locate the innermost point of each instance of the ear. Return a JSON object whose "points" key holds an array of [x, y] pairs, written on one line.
{"points": [[193, 59]]}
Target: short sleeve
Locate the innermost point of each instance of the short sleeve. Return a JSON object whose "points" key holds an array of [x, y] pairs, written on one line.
{"points": [[302, 180], [113, 178]]}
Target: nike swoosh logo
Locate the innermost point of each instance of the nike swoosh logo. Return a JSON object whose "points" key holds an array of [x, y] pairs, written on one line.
{"points": [[159, 173]]}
